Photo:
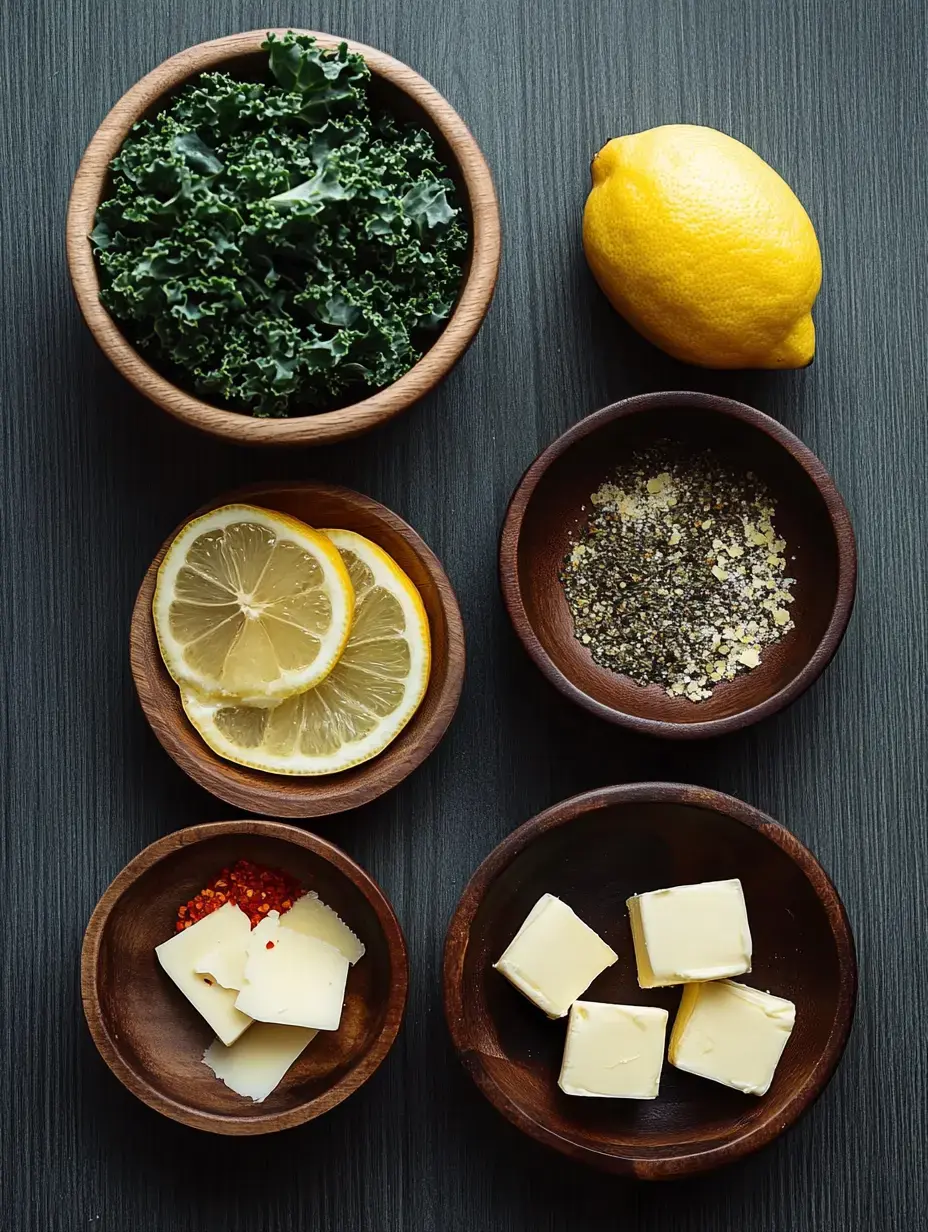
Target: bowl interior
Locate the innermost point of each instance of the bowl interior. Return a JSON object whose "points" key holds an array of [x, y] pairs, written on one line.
{"points": [[292, 796], [595, 862], [385, 95], [559, 508], [161, 1038]]}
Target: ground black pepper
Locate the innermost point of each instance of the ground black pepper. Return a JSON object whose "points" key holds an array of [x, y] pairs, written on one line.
{"points": [[678, 579]]}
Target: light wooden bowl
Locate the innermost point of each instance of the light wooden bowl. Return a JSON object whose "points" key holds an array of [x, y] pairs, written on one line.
{"points": [[551, 503], [594, 851], [280, 795], [153, 1039], [408, 95]]}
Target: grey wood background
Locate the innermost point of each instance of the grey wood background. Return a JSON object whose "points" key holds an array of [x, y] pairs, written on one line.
{"points": [[833, 95]]}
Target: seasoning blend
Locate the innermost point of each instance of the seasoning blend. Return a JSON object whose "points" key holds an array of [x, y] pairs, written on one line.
{"points": [[256, 890], [679, 578]]}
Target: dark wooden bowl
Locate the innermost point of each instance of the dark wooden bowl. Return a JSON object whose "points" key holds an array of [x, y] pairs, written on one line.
{"points": [[409, 96], [594, 851], [546, 512], [153, 1039], [280, 795]]}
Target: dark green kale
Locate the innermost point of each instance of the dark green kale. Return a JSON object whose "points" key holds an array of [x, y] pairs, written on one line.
{"points": [[275, 246]]}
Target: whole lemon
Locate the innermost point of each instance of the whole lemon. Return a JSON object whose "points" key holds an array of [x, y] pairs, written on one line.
{"points": [[703, 248]]}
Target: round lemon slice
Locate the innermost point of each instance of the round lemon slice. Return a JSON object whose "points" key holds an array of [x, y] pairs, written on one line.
{"points": [[366, 701], [251, 605]]}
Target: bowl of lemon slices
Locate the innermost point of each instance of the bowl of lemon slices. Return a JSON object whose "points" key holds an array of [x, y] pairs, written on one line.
{"points": [[297, 649]]}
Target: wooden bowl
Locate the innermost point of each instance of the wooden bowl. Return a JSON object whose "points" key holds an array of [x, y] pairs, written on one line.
{"points": [[281, 795], [547, 511], [409, 96], [153, 1039], [594, 851]]}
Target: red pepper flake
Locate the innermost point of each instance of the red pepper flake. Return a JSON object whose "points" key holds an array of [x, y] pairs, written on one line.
{"points": [[257, 890], [269, 946]]}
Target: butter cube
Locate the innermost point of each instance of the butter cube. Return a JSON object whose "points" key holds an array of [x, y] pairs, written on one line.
{"points": [[690, 932], [731, 1034], [613, 1051], [554, 957]]}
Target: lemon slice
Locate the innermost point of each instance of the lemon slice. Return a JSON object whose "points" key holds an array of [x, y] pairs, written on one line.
{"points": [[251, 605], [366, 701]]}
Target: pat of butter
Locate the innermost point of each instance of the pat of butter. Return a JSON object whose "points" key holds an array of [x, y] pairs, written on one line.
{"points": [[613, 1051], [690, 932], [182, 954], [311, 917], [256, 1063], [554, 957], [292, 979], [732, 1034]]}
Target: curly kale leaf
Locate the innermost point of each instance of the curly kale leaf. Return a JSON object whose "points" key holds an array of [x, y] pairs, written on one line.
{"points": [[280, 246]]}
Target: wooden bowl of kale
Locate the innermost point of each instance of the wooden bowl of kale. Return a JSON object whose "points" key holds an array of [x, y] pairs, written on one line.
{"points": [[283, 237]]}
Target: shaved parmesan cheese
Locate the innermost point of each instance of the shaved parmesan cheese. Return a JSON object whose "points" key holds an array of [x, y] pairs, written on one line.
{"points": [[311, 917], [226, 963], [182, 955], [257, 1062], [292, 979]]}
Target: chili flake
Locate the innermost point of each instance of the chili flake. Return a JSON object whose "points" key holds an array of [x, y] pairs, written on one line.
{"points": [[256, 890]]}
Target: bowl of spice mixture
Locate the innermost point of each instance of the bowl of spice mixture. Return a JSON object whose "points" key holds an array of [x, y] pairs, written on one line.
{"points": [[680, 564]]}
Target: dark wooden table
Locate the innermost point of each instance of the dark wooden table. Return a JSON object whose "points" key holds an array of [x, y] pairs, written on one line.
{"points": [[93, 478]]}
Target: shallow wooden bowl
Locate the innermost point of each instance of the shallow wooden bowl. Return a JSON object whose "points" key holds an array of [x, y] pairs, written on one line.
{"points": [[547, 511], [281, 795], [409, 96], [153, 1039], [594, 851]]}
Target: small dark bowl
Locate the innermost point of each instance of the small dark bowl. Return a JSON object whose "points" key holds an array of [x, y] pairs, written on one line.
{"points": [[546, 513], [153, 1039], [594, 851], [282, 795]]}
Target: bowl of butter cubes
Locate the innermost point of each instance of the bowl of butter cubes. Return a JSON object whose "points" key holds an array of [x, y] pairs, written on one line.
{"points": [[654, 979], [243, 977]]}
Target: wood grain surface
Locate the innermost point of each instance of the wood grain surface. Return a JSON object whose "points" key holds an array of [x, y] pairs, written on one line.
{"points": [[834, 96]]}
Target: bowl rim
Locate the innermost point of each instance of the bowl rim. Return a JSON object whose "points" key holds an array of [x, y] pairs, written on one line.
{"points": [[654, 1166], [842, 528], [435, 364], [270, 1122], [195, 759]]}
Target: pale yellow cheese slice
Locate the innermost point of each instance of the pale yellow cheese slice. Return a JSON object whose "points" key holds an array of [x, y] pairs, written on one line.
{"points": [[183, 953], [256, 1063], [292, 979], [311, 917]]}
